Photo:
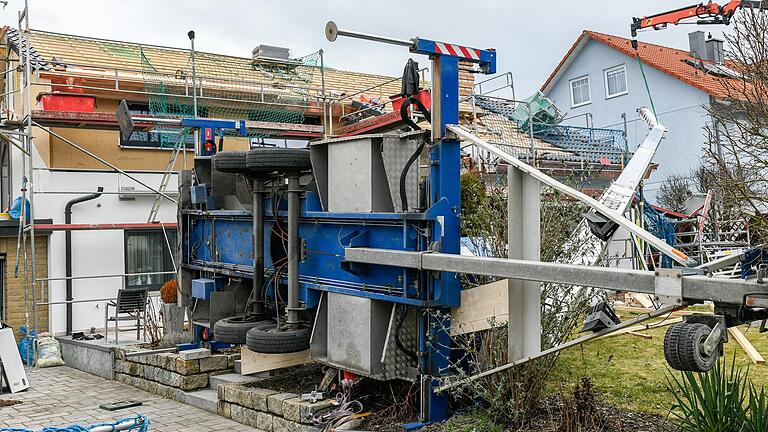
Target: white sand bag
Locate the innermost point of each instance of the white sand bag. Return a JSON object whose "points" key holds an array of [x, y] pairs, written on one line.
{"points": [[48, 351]]}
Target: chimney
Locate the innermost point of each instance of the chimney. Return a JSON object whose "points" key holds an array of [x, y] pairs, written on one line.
{"points": [[715, 50], [268, 52], [698, 43]]}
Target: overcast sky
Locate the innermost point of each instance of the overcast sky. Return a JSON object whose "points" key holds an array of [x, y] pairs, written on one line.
{"points": [[531, 37]]}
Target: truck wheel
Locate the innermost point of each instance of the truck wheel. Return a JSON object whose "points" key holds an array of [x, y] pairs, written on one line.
{"points": [[232, 330], [231, 162], [267, 338], [689, 348], [280, 160]]}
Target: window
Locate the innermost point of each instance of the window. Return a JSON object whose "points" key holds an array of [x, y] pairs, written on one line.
{"points": [[147, 252], [580, 92], [615, 81], [168, 138]]}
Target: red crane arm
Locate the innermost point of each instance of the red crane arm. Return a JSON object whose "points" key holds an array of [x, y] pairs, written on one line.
{"points": [[709, 13]]}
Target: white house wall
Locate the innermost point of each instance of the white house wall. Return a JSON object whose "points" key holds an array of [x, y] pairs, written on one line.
{"points": [[94, 252], [680, 107]]}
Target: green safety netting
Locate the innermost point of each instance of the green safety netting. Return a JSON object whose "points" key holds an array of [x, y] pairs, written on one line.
{"points": [[236, 88]]}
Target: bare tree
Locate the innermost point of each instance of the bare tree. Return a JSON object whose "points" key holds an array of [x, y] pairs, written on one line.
{"points": [[674, 192], [738, 148]]}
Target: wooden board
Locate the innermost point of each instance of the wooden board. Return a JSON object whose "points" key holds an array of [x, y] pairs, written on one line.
{"points": [[253, 362], [753, 354], [479, 306]]}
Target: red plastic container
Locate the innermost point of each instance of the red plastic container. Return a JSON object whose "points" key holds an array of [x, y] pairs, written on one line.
{"points": [[425, 96], [66, 102]]}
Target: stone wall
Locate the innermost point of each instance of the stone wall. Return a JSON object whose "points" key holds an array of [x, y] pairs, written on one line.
{"points": [[168, 375], [268, 410]]}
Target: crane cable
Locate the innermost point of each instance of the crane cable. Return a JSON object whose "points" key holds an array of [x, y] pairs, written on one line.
{"points": [[645, 80]]}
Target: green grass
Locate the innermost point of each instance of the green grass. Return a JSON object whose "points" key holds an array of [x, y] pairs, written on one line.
{"points": [[628, 370], [475, 421]]}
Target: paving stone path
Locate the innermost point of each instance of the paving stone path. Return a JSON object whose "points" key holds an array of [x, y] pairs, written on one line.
{"points": [[62, 396]]}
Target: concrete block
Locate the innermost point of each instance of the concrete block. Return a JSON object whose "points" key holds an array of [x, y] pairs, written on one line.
{"points": [[244, 415], [195, 354], [275, 402], [280, 424], [257, 398], [193, 382], [225, 409], [264, 421], [213, 363], [300, 411], [185, 367], [230, 378], [207, 399]]}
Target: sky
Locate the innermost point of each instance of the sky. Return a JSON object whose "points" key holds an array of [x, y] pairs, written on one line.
{"points": [[530, 37]]}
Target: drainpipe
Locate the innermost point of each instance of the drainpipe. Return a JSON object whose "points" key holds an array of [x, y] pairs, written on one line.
{"points": [[68, 248]]}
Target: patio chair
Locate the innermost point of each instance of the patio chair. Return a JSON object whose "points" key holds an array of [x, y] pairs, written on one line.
{"points": [[131, 305]]}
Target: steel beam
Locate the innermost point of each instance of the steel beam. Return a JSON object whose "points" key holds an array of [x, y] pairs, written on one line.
{"points": [[695, 288]]}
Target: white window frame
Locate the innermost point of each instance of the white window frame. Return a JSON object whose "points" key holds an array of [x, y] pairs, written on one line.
{"points": [[605, 81], [589, 93]]}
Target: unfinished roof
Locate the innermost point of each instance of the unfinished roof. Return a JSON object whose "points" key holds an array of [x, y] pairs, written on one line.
{"points": [[81, 51], [671, 61]]}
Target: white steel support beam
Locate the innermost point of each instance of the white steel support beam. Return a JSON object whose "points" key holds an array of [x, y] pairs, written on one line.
{"points": [[524, 297], [695, 288]]}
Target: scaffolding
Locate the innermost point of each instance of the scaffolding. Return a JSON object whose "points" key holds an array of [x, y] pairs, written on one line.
{"points": [[202, 85]]}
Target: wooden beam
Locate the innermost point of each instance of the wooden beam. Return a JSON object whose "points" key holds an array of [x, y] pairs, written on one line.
{"points": [[742, 340], [253, 362]]}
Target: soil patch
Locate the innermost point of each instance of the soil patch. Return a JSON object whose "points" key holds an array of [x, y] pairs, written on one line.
{"points": [[296, 379], [8, 402]]}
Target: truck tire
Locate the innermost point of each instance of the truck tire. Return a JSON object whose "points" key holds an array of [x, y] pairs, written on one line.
{"points": [[265, 338], [231, 162], [232, 330], [280, 160]]}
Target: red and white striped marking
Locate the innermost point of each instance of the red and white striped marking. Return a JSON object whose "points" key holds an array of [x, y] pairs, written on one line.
{"points": [[457, 50]]}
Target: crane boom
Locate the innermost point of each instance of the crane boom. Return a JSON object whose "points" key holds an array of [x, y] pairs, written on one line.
{"points": [[709, 13]]}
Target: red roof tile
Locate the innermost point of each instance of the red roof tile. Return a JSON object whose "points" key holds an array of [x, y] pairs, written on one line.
{"points": [[671, 61]]}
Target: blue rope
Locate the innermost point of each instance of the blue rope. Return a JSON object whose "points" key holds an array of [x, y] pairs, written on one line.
{"points": [[142, 426]]}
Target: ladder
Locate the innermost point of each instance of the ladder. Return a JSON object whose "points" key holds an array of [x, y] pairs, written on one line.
{"points": [[165, 180]]}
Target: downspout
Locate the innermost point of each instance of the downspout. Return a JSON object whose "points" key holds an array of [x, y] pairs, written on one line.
{"points": [[68, 248]]}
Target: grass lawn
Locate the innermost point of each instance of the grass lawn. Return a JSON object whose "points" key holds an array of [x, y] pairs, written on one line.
{"points": [[630, 371]]}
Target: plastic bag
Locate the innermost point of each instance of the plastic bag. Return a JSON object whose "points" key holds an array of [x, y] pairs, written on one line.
{"points": [[15, 210], [25, 346], [48, 351]]}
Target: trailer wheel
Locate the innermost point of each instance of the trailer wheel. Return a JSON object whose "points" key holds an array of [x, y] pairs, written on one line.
{"points": [[231, 162], [232, 330], [267, 338], [671, 338], [689, 348], [280, 160]]}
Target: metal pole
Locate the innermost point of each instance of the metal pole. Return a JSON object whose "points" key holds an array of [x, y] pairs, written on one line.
{"points": [[558, 348], [332, 32], [258, 245], [293, 250], [89, 153], [191, 35], [322, 85]]}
